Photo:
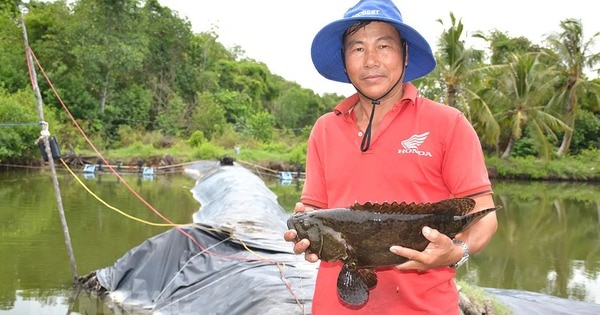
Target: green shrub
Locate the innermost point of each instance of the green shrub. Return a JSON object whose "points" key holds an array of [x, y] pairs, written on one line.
{"points": [[196, 139], [273, 147], [208, 151]]}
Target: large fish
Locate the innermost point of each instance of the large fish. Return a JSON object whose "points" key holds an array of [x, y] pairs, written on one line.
{"points": [[361, 236]]}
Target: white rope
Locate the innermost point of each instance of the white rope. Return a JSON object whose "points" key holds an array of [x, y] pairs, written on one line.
{"points": [[187, 263]]}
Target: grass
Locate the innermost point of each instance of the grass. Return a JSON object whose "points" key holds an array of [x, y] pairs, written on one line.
{"points": [[480, 297], [287, 154]]}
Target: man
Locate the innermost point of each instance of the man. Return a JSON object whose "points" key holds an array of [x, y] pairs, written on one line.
{"points": [[386, 143]]}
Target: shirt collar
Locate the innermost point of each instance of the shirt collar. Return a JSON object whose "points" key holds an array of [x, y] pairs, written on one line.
{"points": [[346, 106]]}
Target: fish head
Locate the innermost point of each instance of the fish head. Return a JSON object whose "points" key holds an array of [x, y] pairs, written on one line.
{"points": [[326, 242], [306, 228]]}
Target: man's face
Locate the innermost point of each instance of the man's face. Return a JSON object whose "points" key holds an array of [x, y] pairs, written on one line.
{"points": [[374, 58]]}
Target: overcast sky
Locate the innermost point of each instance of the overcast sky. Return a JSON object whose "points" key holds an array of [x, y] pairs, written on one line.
{"points": [[280, 32]]}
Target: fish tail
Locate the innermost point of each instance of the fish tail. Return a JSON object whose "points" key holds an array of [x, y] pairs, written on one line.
{"points": [[471, 218]]}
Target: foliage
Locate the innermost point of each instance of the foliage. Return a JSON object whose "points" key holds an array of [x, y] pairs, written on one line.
{"points": [[134, 68], [196, 139], [19, 129], [228, 138], [298, 154], [524, 147], [208, 151], [261, 126], [587, 134], [572, 54], [478, 296], [208, 116], [532, 168], [589, 157]]}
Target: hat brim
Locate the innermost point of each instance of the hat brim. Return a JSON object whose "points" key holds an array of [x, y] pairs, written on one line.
{"points": [[326, 50]]}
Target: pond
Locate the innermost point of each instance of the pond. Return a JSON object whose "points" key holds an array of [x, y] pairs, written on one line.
{"points": [[548, 240]]}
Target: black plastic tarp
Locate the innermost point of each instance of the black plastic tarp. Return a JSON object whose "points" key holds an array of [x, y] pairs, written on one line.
{"points": [[233, 260]]}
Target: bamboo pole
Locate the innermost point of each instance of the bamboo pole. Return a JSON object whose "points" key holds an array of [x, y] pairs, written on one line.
{"points": [[45, 133]]}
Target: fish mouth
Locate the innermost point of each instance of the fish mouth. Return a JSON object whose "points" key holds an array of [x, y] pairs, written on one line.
{"points": [[290, 225]]}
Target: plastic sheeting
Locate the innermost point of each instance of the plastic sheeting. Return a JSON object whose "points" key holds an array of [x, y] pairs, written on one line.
{"points": [[532, 303], [232, 261]]}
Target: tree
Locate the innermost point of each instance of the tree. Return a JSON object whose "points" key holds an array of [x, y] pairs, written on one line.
{"points": [[455, 68], [502, 46], [110, 40], [454, 62], [207, 117], [13, 72], [19, 130], [522, 92], [261, 126], [573, 55]]}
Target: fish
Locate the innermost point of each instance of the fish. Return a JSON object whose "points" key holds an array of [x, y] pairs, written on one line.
{"points": [[360, 236]]}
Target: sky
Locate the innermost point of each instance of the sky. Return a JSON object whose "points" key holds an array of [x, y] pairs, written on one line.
{"points": [[279, 33]]}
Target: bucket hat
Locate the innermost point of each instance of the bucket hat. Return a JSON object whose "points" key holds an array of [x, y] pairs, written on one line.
{"points": [[326, 49]]}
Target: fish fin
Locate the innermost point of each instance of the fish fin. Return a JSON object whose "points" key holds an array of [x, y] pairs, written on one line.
{"points": [[469, 219], [369, 276], [351, 287], [454, 206]]}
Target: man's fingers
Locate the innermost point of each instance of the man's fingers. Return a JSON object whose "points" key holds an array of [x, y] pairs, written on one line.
{"points": [[299, 207], [404, 252], [290, 235], [301, 246], [430, 234], [311, 257]]}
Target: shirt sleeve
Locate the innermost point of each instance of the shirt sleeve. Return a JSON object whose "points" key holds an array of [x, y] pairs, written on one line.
{"points": [[464, 170]]}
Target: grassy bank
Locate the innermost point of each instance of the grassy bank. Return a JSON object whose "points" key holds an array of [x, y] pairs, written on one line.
{"points": [[287, 157], [582, 167]]}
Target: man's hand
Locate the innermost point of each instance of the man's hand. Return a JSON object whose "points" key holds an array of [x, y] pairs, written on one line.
{"points": [[301, 246], [441, 251]]}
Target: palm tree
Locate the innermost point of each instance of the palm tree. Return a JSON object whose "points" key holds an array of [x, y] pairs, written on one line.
{"points": [[457, 81], [454, 60], [521, 93], [569, 51]]}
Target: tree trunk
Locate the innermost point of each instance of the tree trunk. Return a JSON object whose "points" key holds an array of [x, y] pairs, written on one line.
{"points": [[450, 95], [104, 94], [571, 111], [509, 147], [566, 143]]}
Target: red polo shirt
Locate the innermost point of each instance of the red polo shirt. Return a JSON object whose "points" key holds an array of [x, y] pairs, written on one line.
{"points": [[422, 151]]}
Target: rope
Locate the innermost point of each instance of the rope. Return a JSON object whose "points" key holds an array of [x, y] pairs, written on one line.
{"points": [[111, 207], [280, 266], [46, 133], [19, 125]]}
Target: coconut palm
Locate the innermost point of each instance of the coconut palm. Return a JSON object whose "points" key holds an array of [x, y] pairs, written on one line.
{"points": [[454, 61], [456, 80], [572, 55], [521, 95]]}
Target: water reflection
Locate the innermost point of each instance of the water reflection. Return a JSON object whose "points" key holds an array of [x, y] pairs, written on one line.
{"points": [[548, 239]]}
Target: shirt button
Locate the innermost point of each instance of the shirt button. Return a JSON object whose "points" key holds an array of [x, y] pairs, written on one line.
{"points": [[360, 134]]}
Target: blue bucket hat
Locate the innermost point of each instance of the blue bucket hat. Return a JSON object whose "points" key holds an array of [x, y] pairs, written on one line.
{"points": [[326, 50]]}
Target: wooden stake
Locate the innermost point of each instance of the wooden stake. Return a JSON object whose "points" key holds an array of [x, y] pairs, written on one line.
{"points": [[44, 136]]}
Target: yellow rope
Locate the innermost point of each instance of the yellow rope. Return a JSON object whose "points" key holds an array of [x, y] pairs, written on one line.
{"points": [[163, 224], [113, 208]]}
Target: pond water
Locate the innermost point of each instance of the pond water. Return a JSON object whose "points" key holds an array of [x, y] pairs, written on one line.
{"points": [[548, 240]]}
